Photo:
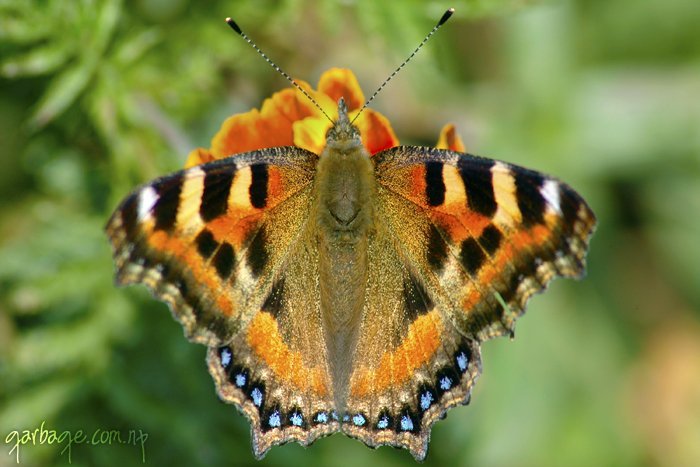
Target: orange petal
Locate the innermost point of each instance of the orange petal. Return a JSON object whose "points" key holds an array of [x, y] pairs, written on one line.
{"points": [[248, 132], [376, 131], [310, 133], [449, 139], [341, 82], [285, 107], [289, 118], [198, 156], [265, 128], [325, 102]]}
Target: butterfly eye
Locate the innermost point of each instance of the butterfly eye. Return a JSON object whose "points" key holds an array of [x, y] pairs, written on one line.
{"points": [[331, 134]]}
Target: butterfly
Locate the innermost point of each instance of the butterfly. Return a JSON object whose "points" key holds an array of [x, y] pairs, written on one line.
{"points": [[346, 290]]}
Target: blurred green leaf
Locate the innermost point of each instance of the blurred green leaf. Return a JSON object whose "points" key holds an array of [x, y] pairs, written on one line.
{"points": [[64, 89], [37, 61], [70, 83]]}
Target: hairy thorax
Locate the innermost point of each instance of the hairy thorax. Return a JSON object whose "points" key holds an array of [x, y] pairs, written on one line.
{"points": [[344, 192]]}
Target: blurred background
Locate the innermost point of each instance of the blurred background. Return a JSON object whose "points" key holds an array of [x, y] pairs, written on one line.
{"points": [[97, 96]]}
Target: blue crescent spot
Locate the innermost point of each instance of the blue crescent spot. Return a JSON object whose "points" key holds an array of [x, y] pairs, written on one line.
{"points": [[322, 417], [406, 423], [462, 361], [257, 397], [358, 420], [425, 400], [240, 380], [445, 383], [296, 419], [275, 419], [225, 357], [383, 422]]}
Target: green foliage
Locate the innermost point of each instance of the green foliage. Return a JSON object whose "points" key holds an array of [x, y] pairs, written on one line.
{"points": [[97, 96]]}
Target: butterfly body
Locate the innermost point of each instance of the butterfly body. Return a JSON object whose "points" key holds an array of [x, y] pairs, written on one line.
{"points": [[347, 291], [343, 216]]}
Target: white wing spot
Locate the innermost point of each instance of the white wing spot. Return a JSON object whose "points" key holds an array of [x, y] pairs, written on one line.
{"points": [[550, 192], [147, 199]]}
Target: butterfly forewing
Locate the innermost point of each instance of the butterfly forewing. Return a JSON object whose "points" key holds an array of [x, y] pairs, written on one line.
{"points": [[490, 232], [205, 240]]}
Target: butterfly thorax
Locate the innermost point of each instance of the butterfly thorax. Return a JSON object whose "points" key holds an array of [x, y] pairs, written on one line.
{"points": [[344, 182], [343, 194]]}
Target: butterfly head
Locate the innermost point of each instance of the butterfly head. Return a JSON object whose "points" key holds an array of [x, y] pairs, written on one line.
{"points": [[343, 134]]}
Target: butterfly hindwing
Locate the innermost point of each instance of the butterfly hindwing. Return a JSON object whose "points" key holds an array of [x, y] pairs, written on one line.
{"points": [[275, 370], [410, 362]]}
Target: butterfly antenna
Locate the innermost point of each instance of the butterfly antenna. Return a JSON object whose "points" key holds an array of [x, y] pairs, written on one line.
{"points": [[442, 21], [237, 28]]}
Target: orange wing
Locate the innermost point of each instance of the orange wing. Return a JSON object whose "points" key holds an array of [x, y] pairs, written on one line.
{"points": [[493, 230], [207, 240]]}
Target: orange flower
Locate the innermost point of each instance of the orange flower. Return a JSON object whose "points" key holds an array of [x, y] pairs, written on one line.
{"points": [[288, 118]]}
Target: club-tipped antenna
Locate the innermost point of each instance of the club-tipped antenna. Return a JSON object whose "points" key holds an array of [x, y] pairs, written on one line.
{"points": [[442, 21], [245, 37]]}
